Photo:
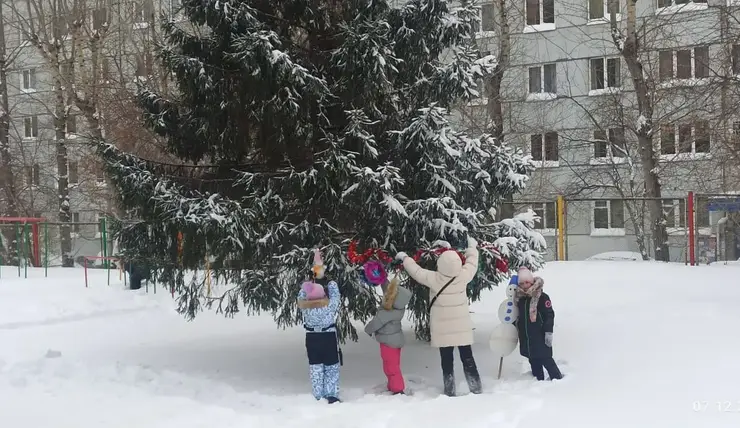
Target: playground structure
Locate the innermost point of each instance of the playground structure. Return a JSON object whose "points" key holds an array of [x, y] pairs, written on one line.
{"points": [[22, 237], [121, 270], [30, 251], [30, 243]]}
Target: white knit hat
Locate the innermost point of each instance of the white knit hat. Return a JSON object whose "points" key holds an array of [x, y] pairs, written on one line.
{"points": [[525, 275]]}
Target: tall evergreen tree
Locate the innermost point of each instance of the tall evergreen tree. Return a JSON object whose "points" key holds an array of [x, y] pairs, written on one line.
{"points": [[313, 122]]}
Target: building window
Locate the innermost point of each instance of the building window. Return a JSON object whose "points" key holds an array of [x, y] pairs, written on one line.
{"points": [[599, 9], [608, 214], [100, 18], [71, 124], [686, 138], [544, 147], [605, 73], [610, 143], [100, 176], [33, 175], [675, 212], [143, 11], [60, 25], [76, 222], [31, 127], [546, 213], [540, 12], [29, 80], [702, 211], [73, 172], [543, 79], [28, 172], [143, 65], [101, 216], [684, 64], [486, 23], [669, 3]]}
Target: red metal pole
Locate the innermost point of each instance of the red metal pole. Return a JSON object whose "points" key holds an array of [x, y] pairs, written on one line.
{"points": [[36, 246], [692, 237], [85, 272]]}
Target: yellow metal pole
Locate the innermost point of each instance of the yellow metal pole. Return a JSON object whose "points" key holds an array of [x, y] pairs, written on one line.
{"points": [[561, 228]]}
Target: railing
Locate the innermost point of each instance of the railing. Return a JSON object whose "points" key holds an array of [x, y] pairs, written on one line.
{"points": [[700, 228]]}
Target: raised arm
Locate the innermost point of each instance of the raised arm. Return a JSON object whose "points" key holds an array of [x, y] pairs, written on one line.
{"points": [[470, 268], [334, 297], [419, 274]]}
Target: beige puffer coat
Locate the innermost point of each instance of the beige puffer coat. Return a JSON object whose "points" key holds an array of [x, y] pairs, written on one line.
{"points": [[449, 320]]}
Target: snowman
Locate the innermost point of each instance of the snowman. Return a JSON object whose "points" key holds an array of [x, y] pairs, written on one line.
{"points": [[505, 337]]}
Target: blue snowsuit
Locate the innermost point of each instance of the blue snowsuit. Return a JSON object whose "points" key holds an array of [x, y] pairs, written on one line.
{"points": [[322, 346]]}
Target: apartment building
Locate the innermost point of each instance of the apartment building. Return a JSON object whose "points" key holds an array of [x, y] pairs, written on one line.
{"points": [[568, 100], [49, 46]]}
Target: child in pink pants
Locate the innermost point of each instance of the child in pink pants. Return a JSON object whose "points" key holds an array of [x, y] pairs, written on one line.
{"points": [[386, 326]]}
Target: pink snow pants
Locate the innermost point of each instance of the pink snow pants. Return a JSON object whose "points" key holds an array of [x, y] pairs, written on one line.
{"points": [[392, 368]]}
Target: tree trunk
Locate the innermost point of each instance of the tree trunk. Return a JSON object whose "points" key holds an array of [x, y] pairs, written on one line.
{"points": [[6, 173], [630, 49], [495, 108], [60, 130], [637, 218]]}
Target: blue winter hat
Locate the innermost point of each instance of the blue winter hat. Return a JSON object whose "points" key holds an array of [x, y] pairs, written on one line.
{"points": [[514, 280]]}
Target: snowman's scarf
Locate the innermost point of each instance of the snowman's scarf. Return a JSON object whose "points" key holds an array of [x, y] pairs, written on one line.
{"points": [[535, 291]]}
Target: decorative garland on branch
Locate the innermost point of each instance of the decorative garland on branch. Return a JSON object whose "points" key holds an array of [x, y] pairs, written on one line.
{"points": [[374, 271]]}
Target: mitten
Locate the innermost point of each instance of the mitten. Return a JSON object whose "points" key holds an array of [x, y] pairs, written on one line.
{"points": [[472, 243], [400, 256], [441, 243], [548, 340]]}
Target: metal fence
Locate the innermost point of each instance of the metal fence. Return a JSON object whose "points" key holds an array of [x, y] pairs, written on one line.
{"points": [[701, 228], [35, 242]]}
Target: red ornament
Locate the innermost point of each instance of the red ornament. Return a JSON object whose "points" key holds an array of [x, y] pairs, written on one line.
{"points": [[502, 265]]}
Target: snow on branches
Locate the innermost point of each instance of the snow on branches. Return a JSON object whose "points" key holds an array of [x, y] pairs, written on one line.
{"points": [[320, 125]]}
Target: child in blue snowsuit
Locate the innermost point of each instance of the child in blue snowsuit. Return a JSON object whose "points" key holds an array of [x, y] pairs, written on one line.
{"points": [[319, 314]]}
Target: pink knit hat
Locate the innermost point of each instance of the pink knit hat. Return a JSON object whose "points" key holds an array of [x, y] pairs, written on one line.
{"points": [[313, 290], [525, 275]]}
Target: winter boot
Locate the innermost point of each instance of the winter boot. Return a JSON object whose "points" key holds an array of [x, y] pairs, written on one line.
{"points": [[448, 370], [332, 400], [449, 385], [471, 370], [474, 383]]}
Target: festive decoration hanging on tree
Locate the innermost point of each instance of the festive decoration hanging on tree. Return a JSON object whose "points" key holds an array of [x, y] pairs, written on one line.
{"points": [[318, 267], [355, 258], [374, 272]]}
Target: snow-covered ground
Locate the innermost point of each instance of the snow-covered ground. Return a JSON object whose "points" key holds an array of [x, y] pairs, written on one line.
{"points": [[642, 345]]}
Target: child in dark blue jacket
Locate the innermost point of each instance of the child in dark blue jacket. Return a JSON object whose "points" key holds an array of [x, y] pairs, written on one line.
{"points": [[535, 325]]}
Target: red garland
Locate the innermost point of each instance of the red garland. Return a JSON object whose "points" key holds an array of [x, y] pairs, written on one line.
{"points": [[360, 259], [501, 263]]}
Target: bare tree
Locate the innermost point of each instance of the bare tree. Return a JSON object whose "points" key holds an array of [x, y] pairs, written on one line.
{"points": [[629, 45], [7, 178]]}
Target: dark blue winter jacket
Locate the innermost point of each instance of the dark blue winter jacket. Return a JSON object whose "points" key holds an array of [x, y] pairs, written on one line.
{"points": [[532, 334]]}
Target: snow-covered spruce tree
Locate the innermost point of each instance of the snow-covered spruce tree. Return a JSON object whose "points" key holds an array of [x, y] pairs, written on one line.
{"points": [[315, 122]]}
